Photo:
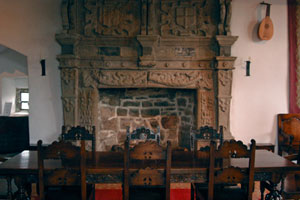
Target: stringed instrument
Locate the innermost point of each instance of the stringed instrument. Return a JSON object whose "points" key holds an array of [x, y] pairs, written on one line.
{"points": [[266, 29]]}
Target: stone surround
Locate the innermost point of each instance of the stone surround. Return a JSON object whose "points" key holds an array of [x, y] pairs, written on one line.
{"points": [[168, 44]]}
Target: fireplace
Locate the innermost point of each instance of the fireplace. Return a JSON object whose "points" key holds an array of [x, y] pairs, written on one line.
{"points": [[115, 51]]}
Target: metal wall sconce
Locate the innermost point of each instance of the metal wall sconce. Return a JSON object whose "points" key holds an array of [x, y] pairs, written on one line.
{"points": [[248, 68], [43, 65]]}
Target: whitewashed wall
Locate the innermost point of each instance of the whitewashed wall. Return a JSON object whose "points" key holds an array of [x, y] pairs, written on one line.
{"points": [[259, 98], [29, 27]]}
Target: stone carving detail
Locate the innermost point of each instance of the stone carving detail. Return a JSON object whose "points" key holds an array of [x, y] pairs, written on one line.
{"points": [[225, 78], [178, 78], [111, 18], [186, 18], [67, 15], [69, 110], [121, 78], [68, 75], [225, 17], [86, 103], [207, 109], [224, 104]]}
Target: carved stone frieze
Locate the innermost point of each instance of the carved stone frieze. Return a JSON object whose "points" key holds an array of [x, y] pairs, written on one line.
{"points": [[187, 79], [121, 78]]}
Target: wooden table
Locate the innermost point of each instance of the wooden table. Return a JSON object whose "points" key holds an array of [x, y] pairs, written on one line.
{"points": [[109, 167]]}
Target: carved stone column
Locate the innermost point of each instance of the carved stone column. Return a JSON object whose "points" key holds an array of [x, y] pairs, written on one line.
{"points": [[224, 76]]}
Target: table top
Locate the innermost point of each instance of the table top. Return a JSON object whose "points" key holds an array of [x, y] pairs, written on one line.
{"points": [[26, 162]]}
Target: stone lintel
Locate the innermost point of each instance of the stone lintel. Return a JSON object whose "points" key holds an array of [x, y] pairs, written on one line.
{"points": [[225, 43]]}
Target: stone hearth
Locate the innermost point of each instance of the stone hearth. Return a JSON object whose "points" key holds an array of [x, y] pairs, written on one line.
{"points": [[147, 44]]}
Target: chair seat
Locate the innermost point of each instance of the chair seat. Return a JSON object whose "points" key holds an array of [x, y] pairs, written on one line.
{"points": [[66, 192], [222, 192], [138, 193]]}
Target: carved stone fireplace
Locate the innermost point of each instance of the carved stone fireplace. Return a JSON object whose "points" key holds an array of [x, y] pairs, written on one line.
{"points": [[145, 44]]}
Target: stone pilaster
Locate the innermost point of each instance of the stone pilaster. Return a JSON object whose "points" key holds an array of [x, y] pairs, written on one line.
{"points": [[224, 67]]}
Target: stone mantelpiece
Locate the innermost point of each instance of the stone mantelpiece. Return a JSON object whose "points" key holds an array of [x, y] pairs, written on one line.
{"points": [[146, 44]]}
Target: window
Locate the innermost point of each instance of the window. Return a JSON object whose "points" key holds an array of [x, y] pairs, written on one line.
{"points": [[22, 99]]}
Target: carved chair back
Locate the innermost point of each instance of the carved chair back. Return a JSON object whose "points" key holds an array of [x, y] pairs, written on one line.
{"points": [[72, 171], [202, 137], [142, 134], [81, 134], [223, 173], [288, 133], [152, 164]]}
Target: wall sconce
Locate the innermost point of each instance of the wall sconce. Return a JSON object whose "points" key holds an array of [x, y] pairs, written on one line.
{"points": [[43, 65], [248, 68]]}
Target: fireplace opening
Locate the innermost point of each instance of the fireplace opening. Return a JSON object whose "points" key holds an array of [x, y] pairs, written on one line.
{"points": [[173, 110]]}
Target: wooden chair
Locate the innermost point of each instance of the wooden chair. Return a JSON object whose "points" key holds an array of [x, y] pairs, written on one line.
{"points": [[71, 173], [81, 134], [200, 159], [288, 133], [142, 134], [220, 171], [146, 158], [202, 137]]}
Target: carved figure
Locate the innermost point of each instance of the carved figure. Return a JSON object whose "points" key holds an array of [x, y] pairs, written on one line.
{"points": [[225, 17], [66, 14]]}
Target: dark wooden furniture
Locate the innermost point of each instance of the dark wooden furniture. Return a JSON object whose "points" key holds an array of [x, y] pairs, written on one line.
{"points": [[288, 133], [143, 133], [72, 172], [266, 146], [202, 137], [80, 133], [14, 134], [221, 172], [149, 153], [109, 167]]}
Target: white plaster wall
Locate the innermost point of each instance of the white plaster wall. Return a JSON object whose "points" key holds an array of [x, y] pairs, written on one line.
{"points": [[259, 98], [29, 27]]}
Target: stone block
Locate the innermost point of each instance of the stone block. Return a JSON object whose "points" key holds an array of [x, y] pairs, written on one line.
{"points": [[131, 103], [181, 102], [147, 104], [150, 112], [107, 112], [122, 112], [169, 122], [134, 112], [109, 124]]}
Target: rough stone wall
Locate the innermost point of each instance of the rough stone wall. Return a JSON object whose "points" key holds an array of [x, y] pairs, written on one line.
{"points": [[170, 109]]}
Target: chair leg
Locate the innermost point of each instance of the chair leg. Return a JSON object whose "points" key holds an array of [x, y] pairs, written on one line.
{"points": [[9, 188]]}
